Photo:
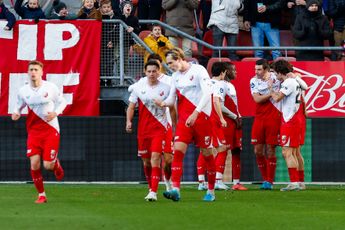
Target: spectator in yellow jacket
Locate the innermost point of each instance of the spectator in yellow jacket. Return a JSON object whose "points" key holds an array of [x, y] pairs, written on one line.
{"points": [[157, 42]]}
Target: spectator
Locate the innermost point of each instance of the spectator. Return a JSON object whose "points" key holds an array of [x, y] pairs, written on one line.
{"points": [[6, 14], [297, 7], [180, 15], [133, 27], [58, 10], [311, 29], [89, 11], [117, 6], [263, 17], [205, 8], [30, 10], [224, 23], [106, 10], [336, 10], [157, 42], [150, 9]]}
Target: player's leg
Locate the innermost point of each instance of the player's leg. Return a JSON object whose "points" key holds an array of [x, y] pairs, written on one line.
{"points": [[211, 173], [220, 167], [145, 155], [300, 168], [201, 170], [36, 174], [155, 176], [291, 163], [236, 169], [168, 157], [271, 165], [50, 156]]}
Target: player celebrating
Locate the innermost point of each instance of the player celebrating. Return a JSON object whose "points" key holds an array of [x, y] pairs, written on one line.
{"points": [[290, 95], [153, 126], [191, 84], [45, 102], [265, 130]]}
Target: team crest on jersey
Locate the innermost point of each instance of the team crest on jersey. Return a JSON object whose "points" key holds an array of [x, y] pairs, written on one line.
{"points": [[161, 93], [207, 140], [52, 154], [191, 78], [45, 94], [283, 139]]}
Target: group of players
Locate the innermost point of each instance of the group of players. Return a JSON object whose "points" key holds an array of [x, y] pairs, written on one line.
{"points": [[207, 114]]}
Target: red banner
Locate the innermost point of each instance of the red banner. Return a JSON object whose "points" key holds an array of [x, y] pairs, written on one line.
{"points": [[70, 52], [325, 96]]}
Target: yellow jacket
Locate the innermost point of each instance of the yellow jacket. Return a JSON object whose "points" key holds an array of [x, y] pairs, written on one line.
{"points": [[153, 44]]}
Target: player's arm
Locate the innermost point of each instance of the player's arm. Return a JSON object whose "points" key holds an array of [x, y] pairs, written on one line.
{"points": [[218, 107], [170, 100], [277, 96], [258, 98], [298, 78], [19, 106], [228, 113], [129, 117], [173, 115]]}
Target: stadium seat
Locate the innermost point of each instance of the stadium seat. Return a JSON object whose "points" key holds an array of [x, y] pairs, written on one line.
{"points": [[143, 34], [286, 58], [250, 59], [286, 39], [245, 39], [195, 49], [206, 52], [213, 60]]}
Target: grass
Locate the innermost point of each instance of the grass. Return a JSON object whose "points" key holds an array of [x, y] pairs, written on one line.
{"points": [[123, 207]]}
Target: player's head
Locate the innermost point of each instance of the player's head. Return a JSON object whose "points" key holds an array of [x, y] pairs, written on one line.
{"points": [[152, 70], [35, 70], [282, 68], [219, 70], [156, 57], [261, 68], [174, 58], [231, 72], [33, 4]]}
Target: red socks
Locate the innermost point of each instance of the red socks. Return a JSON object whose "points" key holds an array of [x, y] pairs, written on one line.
{"points": [[155, 177], [261, 162], [293, 173], [271, 169], [220, 161], [177, 168], [301, 175], [211, 171], [38, 180], [236, 166], [201, 165], [147, 172]]}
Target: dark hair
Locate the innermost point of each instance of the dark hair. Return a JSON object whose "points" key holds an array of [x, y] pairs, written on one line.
{"points": [[263, 62], [155, 57], [152, 62], [217, 68], [230, 71], [35, 62], [282, 67], [105, 2]]}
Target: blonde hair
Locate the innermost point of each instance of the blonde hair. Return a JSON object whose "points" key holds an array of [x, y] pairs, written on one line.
{"points": [[176, 53]]}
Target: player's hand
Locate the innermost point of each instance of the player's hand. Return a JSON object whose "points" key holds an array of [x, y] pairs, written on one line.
{"points": [[238, 121], [192, 118], [15, 116], [224, 124], [129, 127], [50, 116]]}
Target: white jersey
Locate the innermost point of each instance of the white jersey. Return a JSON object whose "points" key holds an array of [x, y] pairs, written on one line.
{"points": [[193, 89], [40, 101], [152, 118], [291, 102], [231, 101], [218, 89]]}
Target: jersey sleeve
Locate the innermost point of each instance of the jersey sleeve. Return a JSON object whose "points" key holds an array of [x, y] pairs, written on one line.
{"points": [[287, 87], [172, 94], [253, 86], [204, 81], [133, 97], [59, 101], [20, 104]]}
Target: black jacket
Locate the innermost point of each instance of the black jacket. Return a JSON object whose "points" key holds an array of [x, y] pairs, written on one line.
{"points": [[131, 21], [6, 14], [336, 10], [311, 30], [27, 13], [272, 14]]}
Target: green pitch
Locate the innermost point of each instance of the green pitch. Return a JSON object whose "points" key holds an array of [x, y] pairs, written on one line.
{"points": [[123, 207]]}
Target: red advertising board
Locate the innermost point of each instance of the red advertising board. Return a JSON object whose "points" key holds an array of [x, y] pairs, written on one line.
{"points": [[70, 52], [325, 96]]}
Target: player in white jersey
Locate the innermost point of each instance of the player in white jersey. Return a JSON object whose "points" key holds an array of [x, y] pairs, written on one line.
{"points": [[153, 126], [290, 96], [171, 113], [191, 86], [45, 102]]}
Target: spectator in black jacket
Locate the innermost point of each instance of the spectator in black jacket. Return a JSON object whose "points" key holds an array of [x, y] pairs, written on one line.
{"points": [[336, 10], [6, 14], [59, 10], [297, 6], [311, 29], [30, 10], [263, 17]]}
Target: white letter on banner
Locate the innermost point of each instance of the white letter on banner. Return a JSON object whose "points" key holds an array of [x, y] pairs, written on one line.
{"points": [[27, 42], [61, 80], [54, 43], [17, 80], [6, 34]]}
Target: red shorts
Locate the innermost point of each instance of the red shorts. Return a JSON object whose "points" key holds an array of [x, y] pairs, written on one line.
{"points": [[303, 128], [266, 131], [290, 134], [201, 132], [168, 142], [47, 145], [233, 136], [218, 137], [148, 145]]}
